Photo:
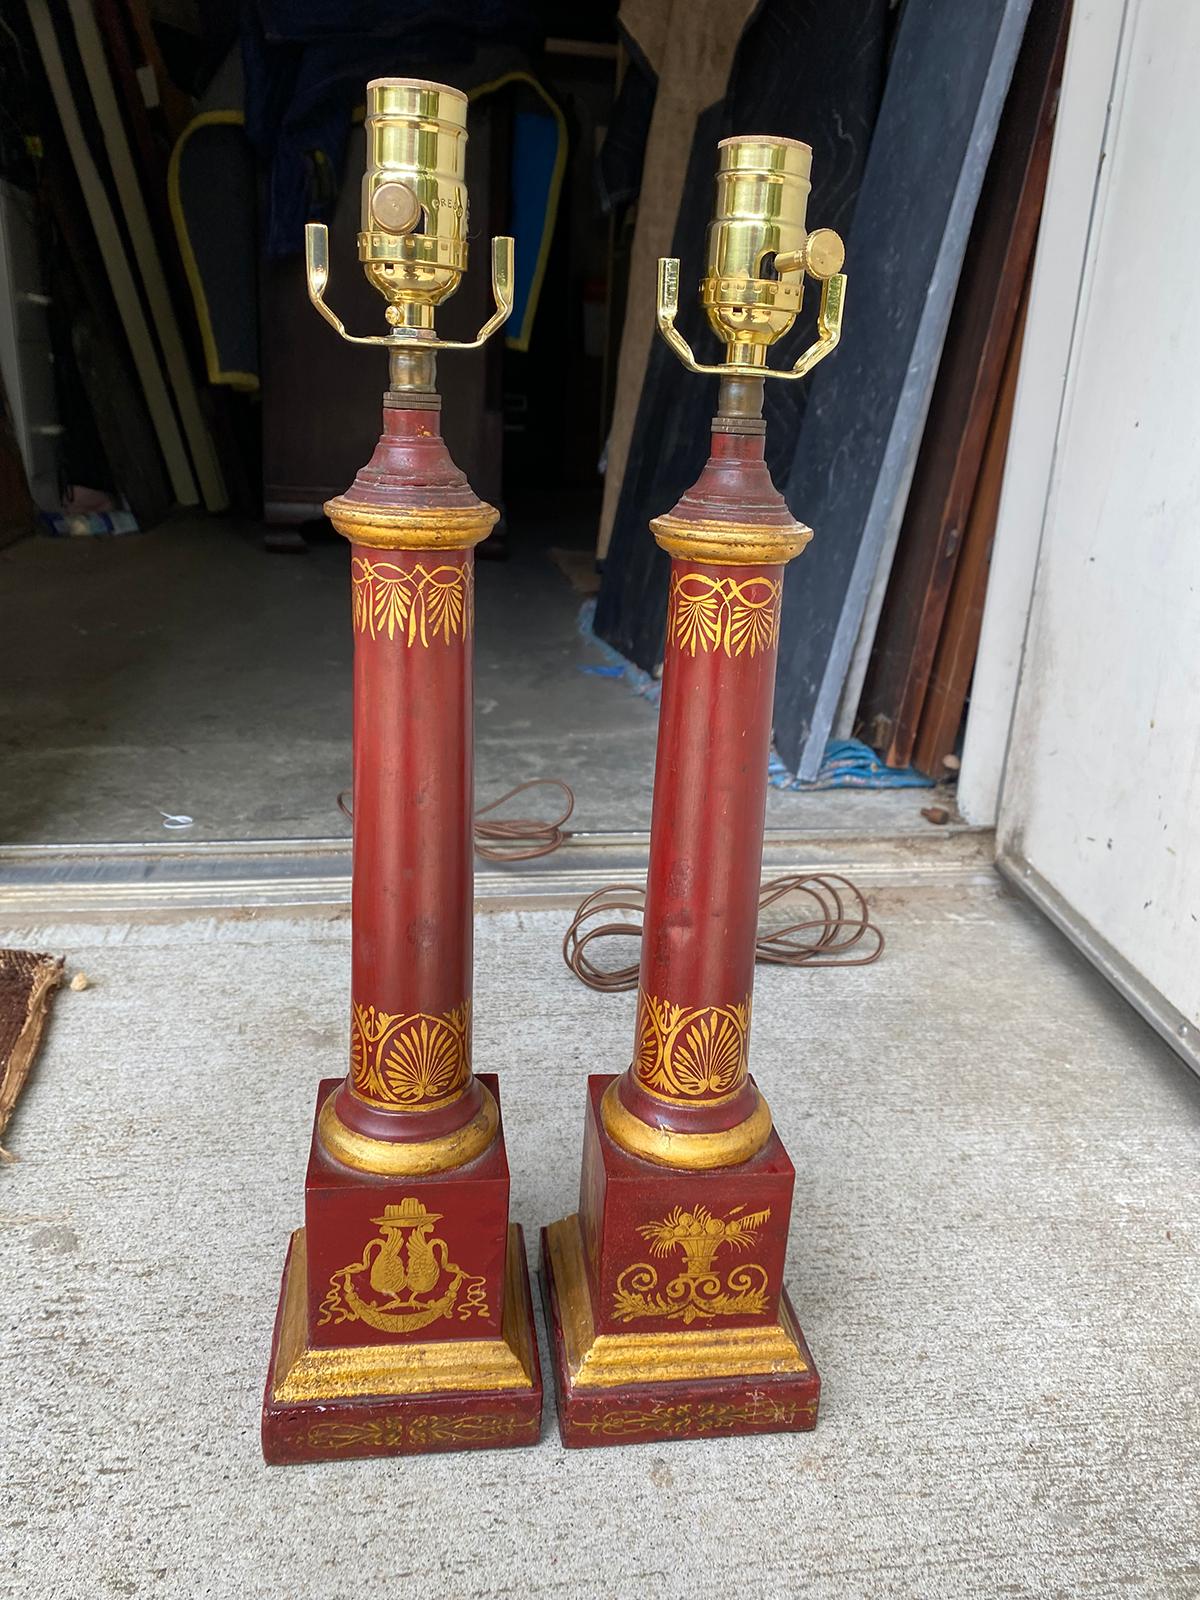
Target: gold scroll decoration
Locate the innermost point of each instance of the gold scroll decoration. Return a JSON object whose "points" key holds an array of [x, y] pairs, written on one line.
{"points": [[699, 1289], [383, 1369], [405, 1279], [411, 1061], [426, 1429], [709, 1348], [413, 604], [730, 615], [691, 1053], [758, 1410]]}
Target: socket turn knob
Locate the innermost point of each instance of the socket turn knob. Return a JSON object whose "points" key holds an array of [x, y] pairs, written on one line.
{"points": [[395, 208]]}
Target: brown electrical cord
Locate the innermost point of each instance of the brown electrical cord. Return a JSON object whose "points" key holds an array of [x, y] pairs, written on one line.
{"points": [[840, 922], [837, 930], [511, 833], [607, 980]]}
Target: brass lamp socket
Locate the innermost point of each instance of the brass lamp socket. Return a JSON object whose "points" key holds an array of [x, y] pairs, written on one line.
{"points": [[413, 244], [755, 254]]}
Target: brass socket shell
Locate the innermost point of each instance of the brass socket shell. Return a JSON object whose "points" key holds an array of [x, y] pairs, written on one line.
{"points": [[759, 220], [413, 243]]}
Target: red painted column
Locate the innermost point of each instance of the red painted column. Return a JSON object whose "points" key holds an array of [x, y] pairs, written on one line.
{"points": [[729, 538], [412, 520], [404, 1321], [665, 1298]]}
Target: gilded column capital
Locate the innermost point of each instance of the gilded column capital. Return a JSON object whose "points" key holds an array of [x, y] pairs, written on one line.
{"points": [[721, 542], [412, 528]]}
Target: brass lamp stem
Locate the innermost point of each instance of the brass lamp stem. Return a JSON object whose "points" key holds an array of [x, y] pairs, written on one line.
{"points": [[740, 399], [411, 367]]}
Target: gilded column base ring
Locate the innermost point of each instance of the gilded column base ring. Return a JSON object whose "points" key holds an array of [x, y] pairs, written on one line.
{"points": [[409, 1158], [692, 1152], [716, 542]]}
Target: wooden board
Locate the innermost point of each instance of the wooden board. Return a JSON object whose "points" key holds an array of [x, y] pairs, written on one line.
{"points": [[964, 397], [112, 251], [145, 252], [954, 661]]}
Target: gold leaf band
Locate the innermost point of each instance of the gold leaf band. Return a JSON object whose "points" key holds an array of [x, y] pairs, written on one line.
{"points": [[458, 528], [730, 544], [706, 614]]}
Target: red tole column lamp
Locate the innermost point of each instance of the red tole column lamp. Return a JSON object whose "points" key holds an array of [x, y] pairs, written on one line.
{"points": [[404, 1321], [665, 1295]]}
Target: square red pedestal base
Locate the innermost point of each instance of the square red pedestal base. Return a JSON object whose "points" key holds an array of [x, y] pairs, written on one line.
{"points": [[665, 1303], [405, 1324]]}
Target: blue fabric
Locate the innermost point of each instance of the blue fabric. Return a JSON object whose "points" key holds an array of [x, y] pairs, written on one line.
{"points": [[848, 764], [534, 152]]}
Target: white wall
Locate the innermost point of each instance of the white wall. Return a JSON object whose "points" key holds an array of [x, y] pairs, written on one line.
{"points": [[1076, 168], [1101, 792]]}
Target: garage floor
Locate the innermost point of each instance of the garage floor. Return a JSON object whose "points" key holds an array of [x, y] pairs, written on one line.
{"points": [[994, 1255], [191, 672]]}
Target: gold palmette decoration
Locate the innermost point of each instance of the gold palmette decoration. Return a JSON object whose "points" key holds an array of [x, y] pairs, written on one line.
{"points": [[413, 1060], [706, 613], [414, 604], [688, 1053]]}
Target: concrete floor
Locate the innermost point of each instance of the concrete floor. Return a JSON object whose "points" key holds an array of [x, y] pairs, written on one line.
{"points": [[189, 671], [994, 1255]]}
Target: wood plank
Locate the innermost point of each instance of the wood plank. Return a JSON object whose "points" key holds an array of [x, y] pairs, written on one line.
{"points": [[954, 661], [145, 250], [964, 397], [112, 251]]}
